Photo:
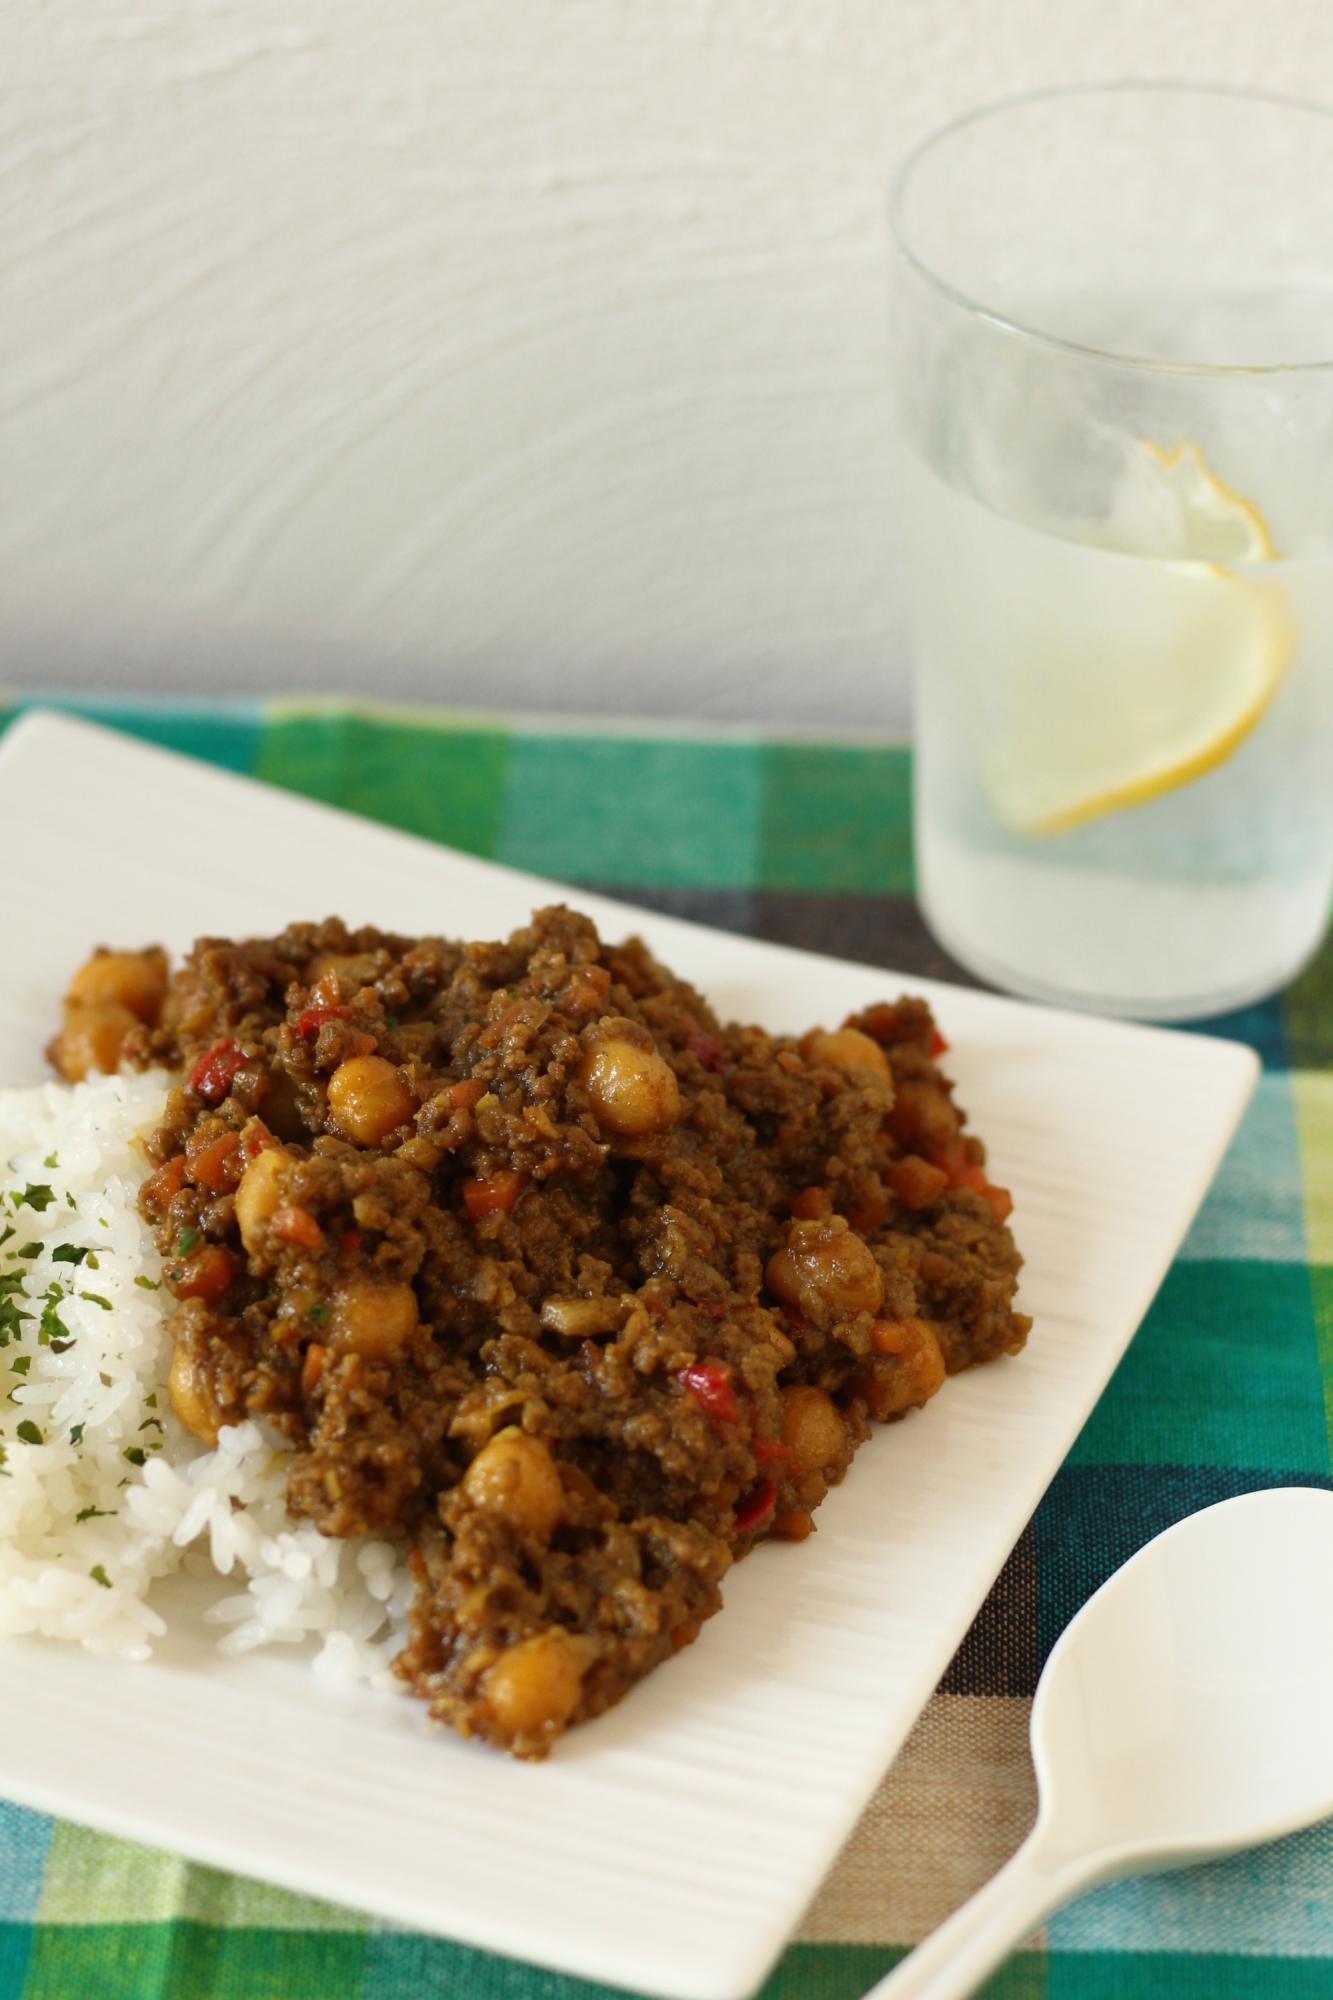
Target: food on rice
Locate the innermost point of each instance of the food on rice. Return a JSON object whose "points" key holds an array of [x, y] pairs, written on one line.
{"points": [[546, 1277], [102, 1489]]}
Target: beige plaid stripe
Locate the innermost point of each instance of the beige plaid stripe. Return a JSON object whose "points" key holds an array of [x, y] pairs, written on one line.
{"points": [[954, 1806]]}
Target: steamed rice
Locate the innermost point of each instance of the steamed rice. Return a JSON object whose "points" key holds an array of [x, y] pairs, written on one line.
{"points": [[102, 1490]]}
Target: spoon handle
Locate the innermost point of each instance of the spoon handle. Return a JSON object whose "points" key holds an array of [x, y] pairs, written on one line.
{"points": [[954, 1959]]}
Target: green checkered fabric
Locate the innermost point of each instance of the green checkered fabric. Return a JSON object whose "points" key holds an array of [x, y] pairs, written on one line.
{"points": [[1227, 1387]]}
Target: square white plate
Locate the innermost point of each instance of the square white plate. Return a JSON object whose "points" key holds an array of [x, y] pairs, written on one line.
{"points": [[673, 1844]]}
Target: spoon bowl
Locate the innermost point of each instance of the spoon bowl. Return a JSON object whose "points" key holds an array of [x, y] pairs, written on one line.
{"points": [[1186, 1712]]}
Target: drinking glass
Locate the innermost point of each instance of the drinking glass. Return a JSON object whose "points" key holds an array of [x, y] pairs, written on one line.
{"points": [[1113, 358]]}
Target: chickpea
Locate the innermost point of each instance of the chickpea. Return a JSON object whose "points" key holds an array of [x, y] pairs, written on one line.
{"points": [[825, 1271], [259, 1195], [812, 1429], [371, 1317], [917, 1374], [192, 1399], [633, 1090], [358, 968], [133, 979], [846, 1048], [369, 1099], [90, 1039], [534, 1687], [515, 1477]]}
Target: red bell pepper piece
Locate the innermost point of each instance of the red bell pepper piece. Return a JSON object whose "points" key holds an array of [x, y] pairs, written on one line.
{"points": [[710, 1385], [217, 1069], [753, 1508], [309, 1024]]}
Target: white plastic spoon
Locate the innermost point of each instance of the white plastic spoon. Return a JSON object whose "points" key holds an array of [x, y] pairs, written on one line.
{"points": [[1187, 1711]]}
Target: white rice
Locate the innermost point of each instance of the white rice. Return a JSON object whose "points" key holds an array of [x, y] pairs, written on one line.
{"points": [[102, 1490]]}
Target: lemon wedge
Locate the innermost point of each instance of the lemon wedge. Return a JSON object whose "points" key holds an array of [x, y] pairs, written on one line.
{"points": [[1151, 664], [1168, 504]]}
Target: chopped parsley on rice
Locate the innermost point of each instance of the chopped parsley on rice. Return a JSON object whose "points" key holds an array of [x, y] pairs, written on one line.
{"points": [[102, 1490]]}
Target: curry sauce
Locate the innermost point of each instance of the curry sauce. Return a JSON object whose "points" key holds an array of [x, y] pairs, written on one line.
{"points": [[545, 1272]]}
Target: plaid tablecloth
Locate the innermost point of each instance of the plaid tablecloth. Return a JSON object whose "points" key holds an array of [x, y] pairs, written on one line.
{"points": [[1227, 1387]]}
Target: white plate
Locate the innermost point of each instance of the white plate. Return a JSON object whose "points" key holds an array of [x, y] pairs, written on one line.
{"points": [[673, 1844]]}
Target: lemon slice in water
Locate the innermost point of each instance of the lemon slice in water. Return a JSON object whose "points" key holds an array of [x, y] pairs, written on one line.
{"points": [[1169, 505], [1158, 666]]}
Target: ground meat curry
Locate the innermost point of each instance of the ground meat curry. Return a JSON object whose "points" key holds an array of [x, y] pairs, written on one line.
{"points": [[545, 1271]]}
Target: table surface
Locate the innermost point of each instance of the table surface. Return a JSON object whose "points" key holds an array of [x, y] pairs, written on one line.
{"points": [[1227, 1387]]}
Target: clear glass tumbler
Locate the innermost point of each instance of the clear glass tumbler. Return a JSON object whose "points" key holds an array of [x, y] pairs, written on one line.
{"points": [[1114, 368]]}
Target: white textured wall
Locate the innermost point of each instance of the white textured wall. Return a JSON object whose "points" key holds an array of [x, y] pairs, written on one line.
{"points": [[494, 351]]}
